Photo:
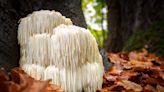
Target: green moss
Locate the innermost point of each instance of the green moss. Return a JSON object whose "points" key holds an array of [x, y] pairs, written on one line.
{"points": [[153, 37]]}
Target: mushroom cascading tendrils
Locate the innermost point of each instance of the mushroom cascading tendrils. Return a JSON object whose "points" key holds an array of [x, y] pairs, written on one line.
{"points": [[53, 48]]}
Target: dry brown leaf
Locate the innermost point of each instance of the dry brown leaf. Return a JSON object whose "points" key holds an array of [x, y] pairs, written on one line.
{"points": [[135, 63], [115, 71], [148, 80], [161, 75], [112, 87], [116, 59], [149, 88], [160, 88], [126, 75], [111, 77], [137, 70], [141, 56], [124, 56], [162, 67], [133, 55], [21, 82], [130, 85], [115, 88], [104, 90]]}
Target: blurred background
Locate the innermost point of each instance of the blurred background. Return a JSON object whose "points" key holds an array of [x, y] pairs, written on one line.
{"points": [[95, 12], [126, 25]]}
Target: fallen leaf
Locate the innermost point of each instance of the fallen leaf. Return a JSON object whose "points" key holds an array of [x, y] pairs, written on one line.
{"points": [[115, 71], [160, 88], [126, 75], [149, 88], [21, 82], [135, 71], [135, 63], [130, 85]]}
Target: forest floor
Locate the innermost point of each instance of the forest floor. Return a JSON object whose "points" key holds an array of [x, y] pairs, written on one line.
{"points": [[136, 71]]}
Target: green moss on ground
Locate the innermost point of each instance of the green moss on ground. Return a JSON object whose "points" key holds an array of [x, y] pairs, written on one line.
{"points": [[152, 38]]}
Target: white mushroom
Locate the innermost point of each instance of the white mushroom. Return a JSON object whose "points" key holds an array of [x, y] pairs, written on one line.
{"points": [[38, 22], [67, 54]]}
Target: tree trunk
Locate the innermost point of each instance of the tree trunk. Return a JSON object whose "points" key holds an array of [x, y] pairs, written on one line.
{"points": [[12, 10], [127, 16], [9, 49]]}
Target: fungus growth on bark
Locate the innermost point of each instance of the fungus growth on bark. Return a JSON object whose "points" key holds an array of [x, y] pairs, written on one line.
{"points": [[53, 48]]}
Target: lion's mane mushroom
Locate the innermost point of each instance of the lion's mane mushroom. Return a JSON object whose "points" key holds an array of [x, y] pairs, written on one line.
{"points": [[38, 22], [67, 54]]}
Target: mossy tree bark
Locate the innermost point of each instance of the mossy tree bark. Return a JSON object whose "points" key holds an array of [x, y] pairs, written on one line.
{"points": [[127, 16]]}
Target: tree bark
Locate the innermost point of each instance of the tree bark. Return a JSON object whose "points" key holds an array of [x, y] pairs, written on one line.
{"points": [[12, 10], [126, 16], [9, 49]]}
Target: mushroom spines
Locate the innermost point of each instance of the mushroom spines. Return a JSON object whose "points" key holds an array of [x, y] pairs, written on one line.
{"points": [[53, 48]]}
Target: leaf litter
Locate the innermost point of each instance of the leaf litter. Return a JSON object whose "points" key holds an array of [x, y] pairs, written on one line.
{"points": [[136, 71]]}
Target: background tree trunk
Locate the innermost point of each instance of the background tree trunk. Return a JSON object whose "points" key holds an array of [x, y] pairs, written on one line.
{"points": [[12, 10], [127, 16], [9, 49]]}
